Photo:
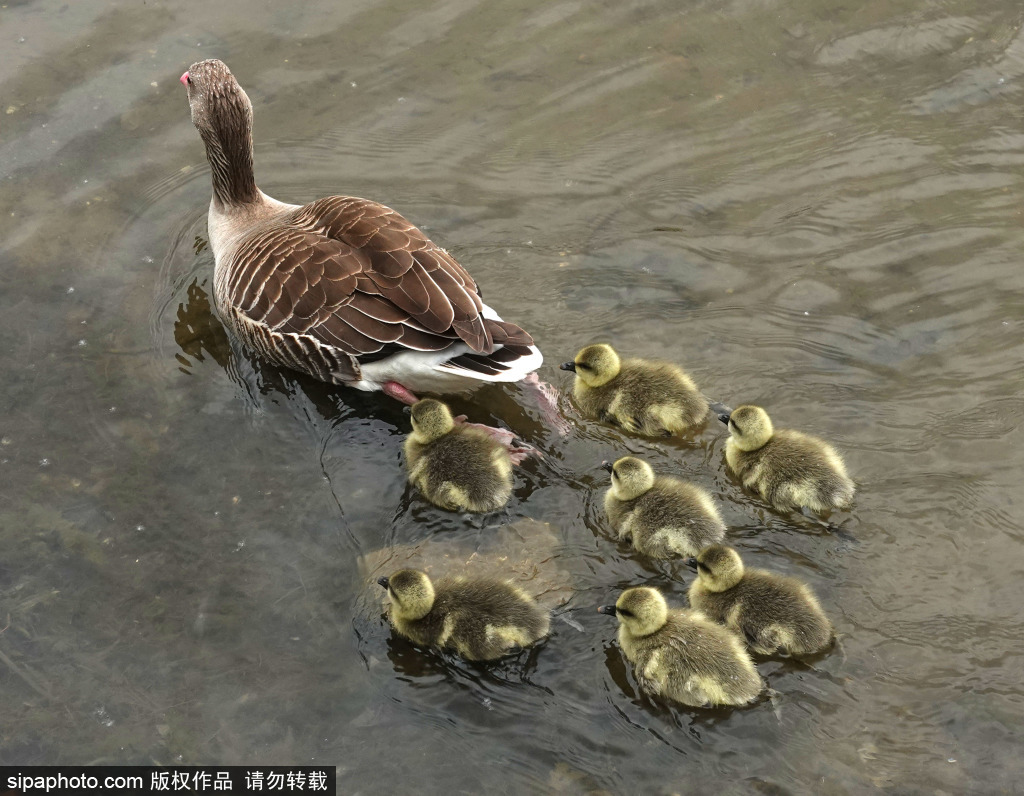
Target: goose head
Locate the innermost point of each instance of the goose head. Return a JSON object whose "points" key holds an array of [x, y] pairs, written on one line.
{"points": [[220, 108], [222, 113]]}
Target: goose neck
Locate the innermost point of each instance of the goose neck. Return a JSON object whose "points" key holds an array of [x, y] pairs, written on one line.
{"points": [[230, 157]]}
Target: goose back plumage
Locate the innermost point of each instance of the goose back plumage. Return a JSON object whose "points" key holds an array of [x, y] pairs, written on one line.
{"points": [[344, 289]]}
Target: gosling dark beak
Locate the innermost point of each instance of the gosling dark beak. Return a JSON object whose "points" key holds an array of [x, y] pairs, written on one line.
{"points": [[383, 581], [407, 411], [568, 366], [608, 610], [607, 466], [724, 417], [691, 562], [718, 408]]}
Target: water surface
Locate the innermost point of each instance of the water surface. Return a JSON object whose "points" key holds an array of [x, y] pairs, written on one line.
{"points": [[814, 206]]}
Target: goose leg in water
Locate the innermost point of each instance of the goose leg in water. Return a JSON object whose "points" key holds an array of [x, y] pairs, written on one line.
{"points": [[547, 401], [517, 450], [398, 392]]}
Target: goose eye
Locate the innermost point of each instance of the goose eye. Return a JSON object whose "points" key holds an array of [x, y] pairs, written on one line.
{"points": [[189, 79], [623, 611]]}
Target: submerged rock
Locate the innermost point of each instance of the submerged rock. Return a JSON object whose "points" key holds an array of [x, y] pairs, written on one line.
{"points": [[525, 552]]}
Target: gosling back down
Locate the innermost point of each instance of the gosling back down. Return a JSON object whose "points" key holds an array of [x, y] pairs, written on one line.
{"points": [[480, 619], [682, 655], [664, 517], [642, 396], [774, 613], [456, 467], [787, 468]]}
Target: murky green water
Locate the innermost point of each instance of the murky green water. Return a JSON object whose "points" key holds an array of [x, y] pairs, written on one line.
{"points": [[813, 205]]}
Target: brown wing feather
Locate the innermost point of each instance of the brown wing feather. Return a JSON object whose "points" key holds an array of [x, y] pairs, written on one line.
{"points": [[356, 276], [406, 267]]}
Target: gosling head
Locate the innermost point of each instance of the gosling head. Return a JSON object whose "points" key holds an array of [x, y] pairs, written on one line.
{"points": [[411, 593], [749, 426], [595, 365], [631, 477], [718, 566], [430, 420], [641, 610]]}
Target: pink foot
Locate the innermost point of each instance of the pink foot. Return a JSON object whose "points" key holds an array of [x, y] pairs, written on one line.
{"points": [[547, 401], [398, 392], [502, 435], [520, 455], [517, 451]]}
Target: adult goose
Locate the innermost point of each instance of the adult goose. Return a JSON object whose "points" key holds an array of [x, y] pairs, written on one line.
{"points": [[344, 289]]}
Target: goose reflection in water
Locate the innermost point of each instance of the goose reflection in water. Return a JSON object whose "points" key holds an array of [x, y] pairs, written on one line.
{"points": [[197, 329]]}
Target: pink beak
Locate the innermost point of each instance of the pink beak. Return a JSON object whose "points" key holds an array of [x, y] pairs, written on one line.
{"points": [[184, 79]]}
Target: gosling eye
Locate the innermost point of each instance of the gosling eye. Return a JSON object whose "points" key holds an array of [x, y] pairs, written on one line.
{"points": [[189, 79], [583, 365], [623, 611]]}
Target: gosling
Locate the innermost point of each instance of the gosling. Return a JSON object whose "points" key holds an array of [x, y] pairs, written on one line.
{"points": [[775, 614], [480, 619], [456, 467], [788, 468], [664, 517], [641, 396], [682, 655]]}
